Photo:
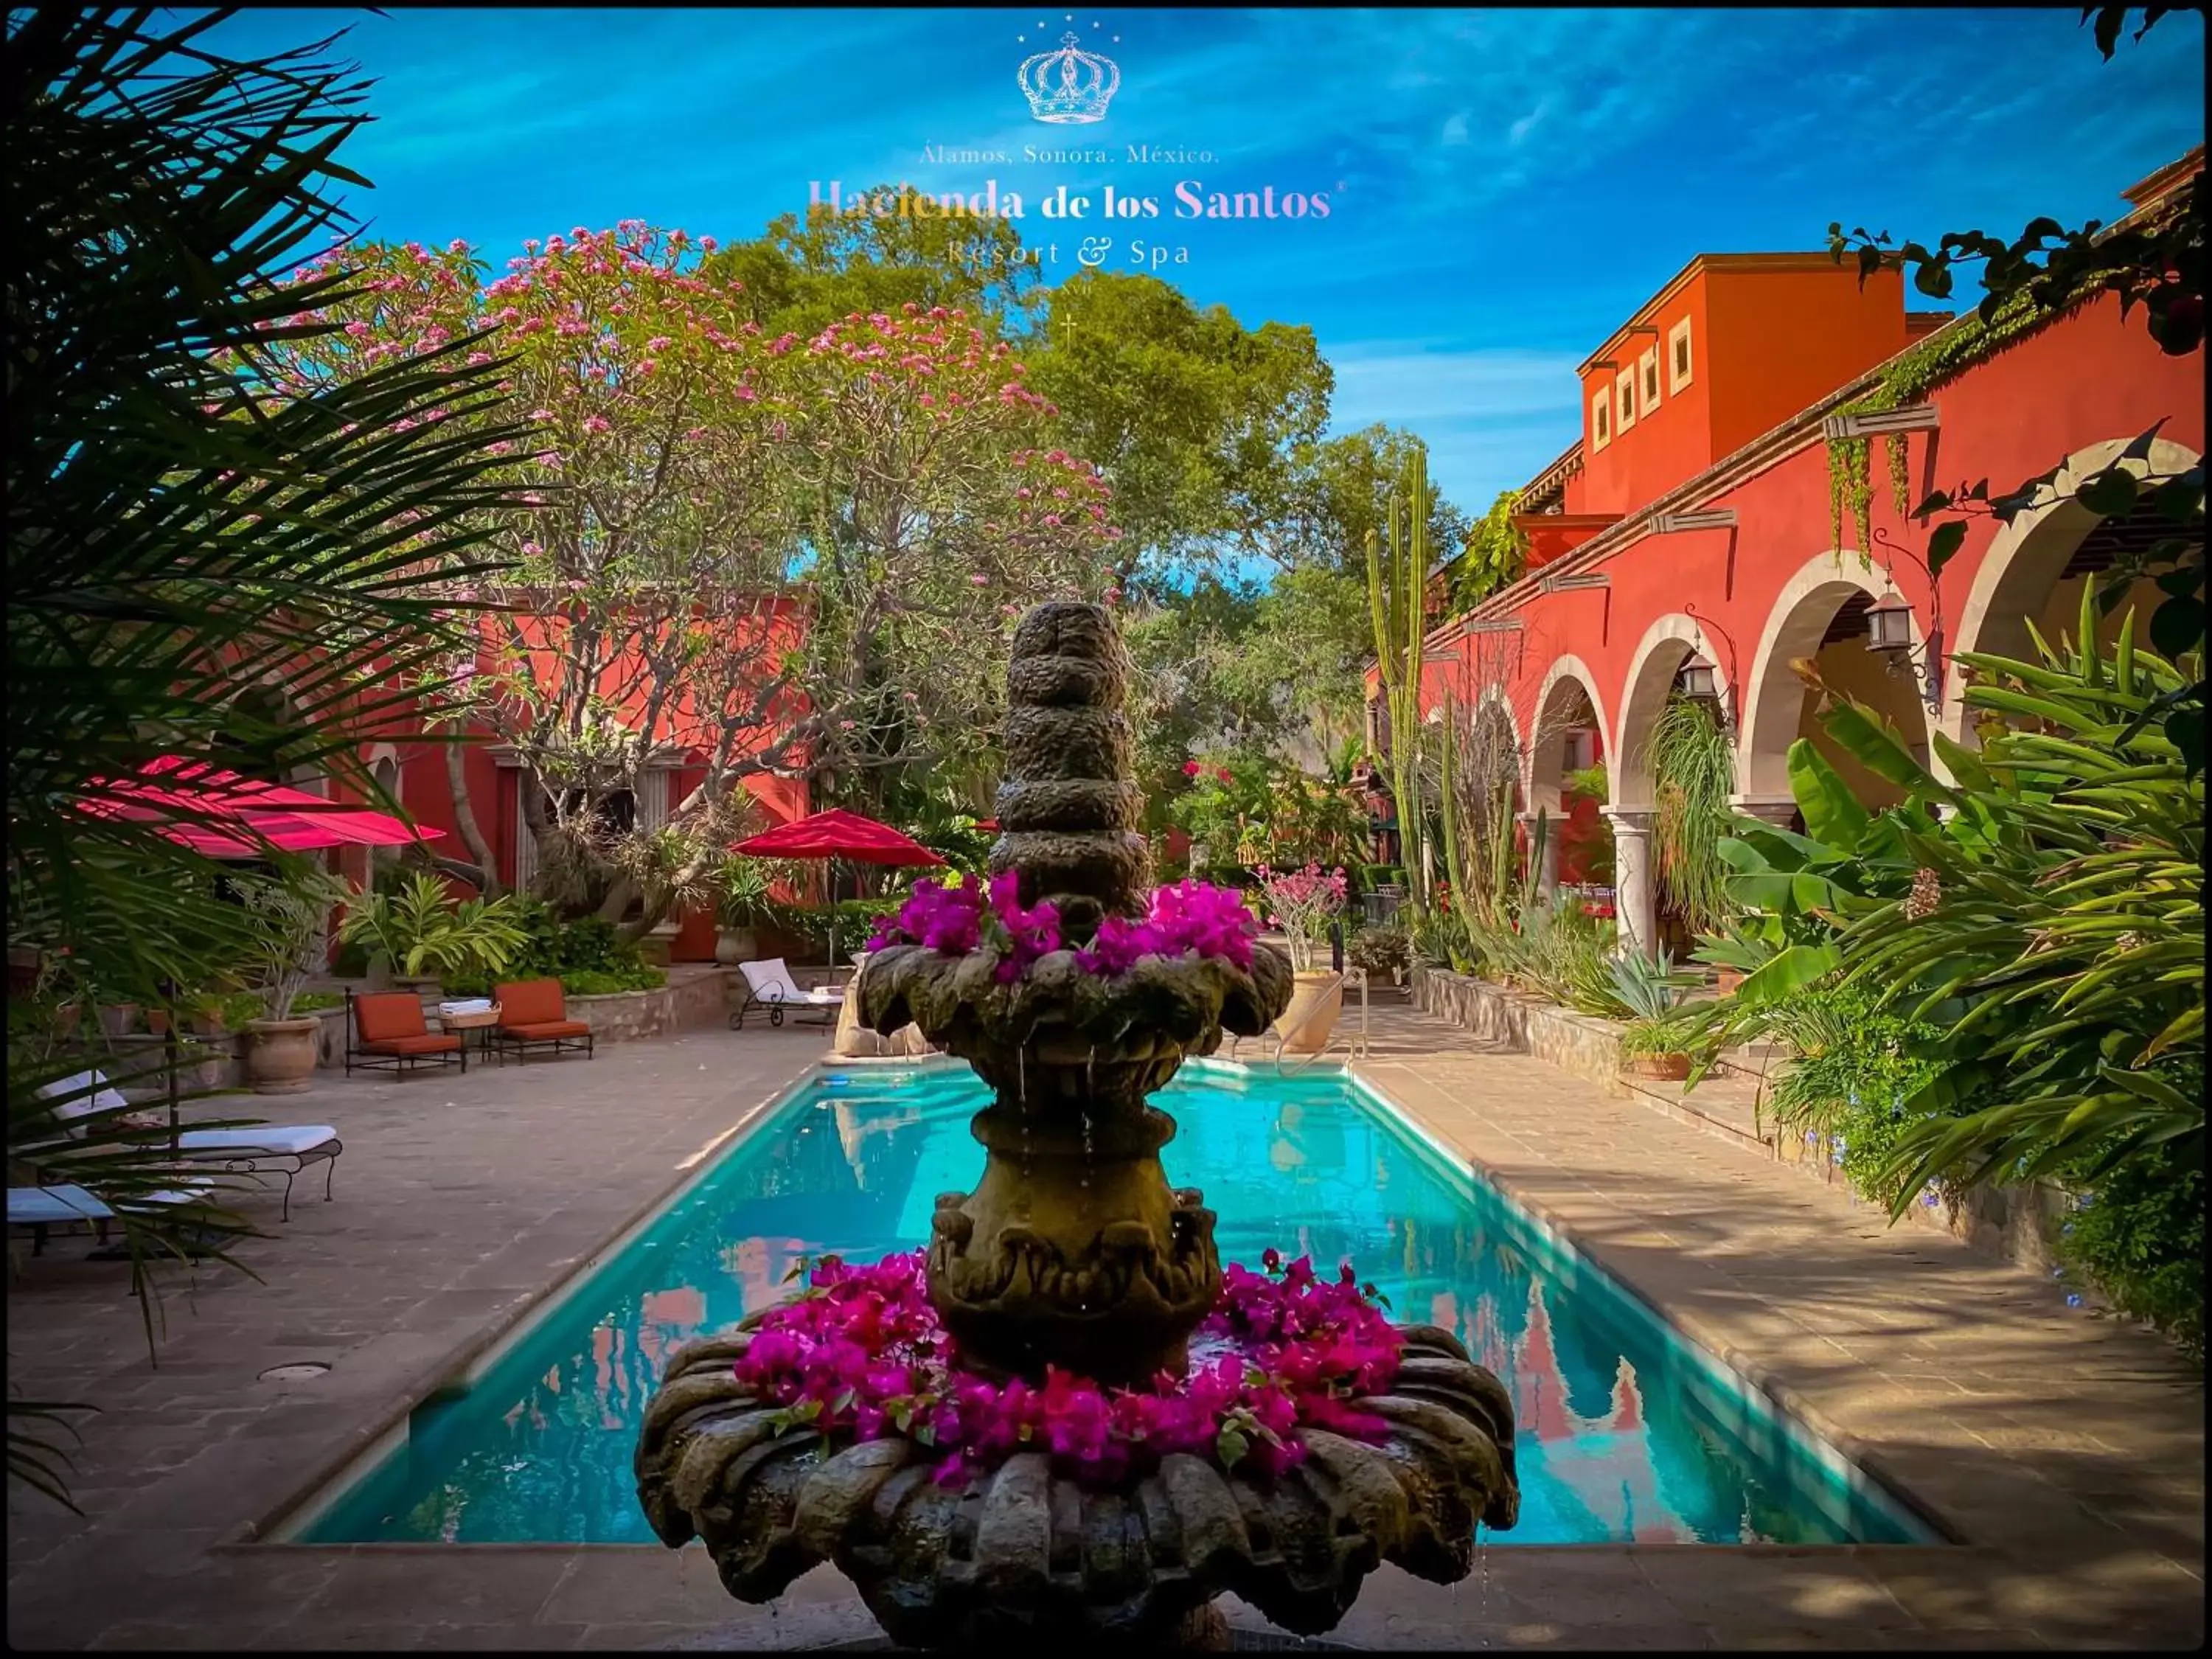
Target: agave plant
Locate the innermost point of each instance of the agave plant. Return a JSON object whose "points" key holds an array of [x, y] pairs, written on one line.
{"points": [[1647, 989]]}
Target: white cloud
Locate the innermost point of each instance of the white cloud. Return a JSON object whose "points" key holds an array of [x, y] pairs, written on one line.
{"points": [[1455, 129]]}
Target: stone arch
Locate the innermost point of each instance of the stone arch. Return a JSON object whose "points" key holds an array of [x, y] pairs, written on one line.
{"points": [[269, 698], [2027, 561], [1666, 644], [1568, 683], [1774, 697], [382, 760]]}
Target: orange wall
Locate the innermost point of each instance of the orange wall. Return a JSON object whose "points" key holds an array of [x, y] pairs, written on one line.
{"points": [[1668, 443], [2083, 380], [1766, 342], [1782, 340]]}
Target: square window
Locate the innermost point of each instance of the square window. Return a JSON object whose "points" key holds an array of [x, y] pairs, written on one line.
{"points": [[1678, 355], [1647, 372], [1602, 420], [1623, 391]]}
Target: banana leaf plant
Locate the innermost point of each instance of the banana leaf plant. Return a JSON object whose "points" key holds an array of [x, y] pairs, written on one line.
{"points": [[2062, 907]]}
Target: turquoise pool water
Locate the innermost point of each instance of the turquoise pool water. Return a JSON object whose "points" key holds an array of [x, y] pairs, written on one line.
{"points": [[1626, 1432]]}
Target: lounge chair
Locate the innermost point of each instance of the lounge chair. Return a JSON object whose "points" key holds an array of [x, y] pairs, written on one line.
{"points": [[769, 985], [284, 1149], [533, 1013], [42, 1208], [386, 1030]]}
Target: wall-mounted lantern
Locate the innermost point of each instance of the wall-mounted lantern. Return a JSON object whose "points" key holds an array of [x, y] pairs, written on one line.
{"points": [[1889, 635], [1697, 679], [1889, 625]]}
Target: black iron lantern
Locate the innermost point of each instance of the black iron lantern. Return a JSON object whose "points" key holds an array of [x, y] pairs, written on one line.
{"points": [[1889, 626], [1697, 679]]}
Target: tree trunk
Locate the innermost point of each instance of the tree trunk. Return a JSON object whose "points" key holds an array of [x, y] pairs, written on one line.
{"points": [[464, 819]]}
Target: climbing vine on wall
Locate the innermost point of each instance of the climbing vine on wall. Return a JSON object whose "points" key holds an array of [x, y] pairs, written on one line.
{"points": [[1911, 377]]}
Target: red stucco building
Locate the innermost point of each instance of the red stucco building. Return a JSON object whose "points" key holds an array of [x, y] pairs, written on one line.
{"points": [[1692, 518]]}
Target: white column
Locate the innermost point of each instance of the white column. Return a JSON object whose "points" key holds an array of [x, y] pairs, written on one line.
{"points": [[1634, 903], [525, 844], [1777, 810], [1548, 871], [652, 798]]}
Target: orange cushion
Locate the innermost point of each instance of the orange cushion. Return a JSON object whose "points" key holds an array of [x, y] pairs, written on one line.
{"points": [[415, 1045], [388, 1014], [546, 1028], [529, 1002]]}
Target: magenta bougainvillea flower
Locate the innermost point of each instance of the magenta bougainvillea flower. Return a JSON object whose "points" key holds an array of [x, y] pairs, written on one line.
{"points": [[862, 1354], [1189, 916]]}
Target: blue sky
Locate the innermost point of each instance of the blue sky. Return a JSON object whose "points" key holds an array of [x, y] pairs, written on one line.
{"points": [[1505, 187]]}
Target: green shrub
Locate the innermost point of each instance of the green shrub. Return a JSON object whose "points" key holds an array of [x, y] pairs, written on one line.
{"points": [[587, 955], [313, 1002], [1385, 951], [1374, 875], [2138, 1237], [592, 982]]}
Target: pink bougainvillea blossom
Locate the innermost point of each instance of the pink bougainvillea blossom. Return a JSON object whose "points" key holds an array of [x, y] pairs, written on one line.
{"points": [[862, 1354]]}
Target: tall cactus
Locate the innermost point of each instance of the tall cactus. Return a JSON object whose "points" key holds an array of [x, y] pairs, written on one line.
{"points": [[1397, 592]]}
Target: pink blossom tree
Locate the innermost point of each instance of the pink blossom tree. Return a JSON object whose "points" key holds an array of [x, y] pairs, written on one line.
{"points": [[752, 554]]}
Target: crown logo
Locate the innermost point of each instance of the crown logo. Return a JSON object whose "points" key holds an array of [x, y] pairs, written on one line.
{"points": [[1069, 85]]}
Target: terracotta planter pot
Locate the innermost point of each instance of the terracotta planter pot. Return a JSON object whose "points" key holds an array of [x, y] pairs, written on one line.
{"points": [[280, 1054], [1725, 980], [117, 1018], [1317, 998], [66, 1018], [1659, 1068], [735, 944], [157, 1021]]}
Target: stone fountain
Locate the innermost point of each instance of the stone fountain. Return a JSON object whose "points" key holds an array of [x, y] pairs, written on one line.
{"points": [[1073, 1251]]}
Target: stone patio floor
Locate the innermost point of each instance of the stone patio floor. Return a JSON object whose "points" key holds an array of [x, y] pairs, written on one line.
{"points": [[2067, 1452]]}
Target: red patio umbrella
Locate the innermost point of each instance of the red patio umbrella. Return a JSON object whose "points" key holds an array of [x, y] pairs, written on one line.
{"points": [[265, 813], [834, 834]]}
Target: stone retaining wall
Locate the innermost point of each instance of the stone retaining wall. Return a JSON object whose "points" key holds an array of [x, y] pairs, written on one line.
{"points": [[2012, 1223], [1525, 1023]]}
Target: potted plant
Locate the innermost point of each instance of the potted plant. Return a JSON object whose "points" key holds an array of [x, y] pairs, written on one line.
{"points": [[287, 922], [1652, 1049], [415, 936], [1386, 951], [1733, 954], [1302, 902], [744, 904], [1648, 993]]}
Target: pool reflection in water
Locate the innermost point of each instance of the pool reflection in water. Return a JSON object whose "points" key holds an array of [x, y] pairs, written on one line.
{"points": [[1624, 1434]]}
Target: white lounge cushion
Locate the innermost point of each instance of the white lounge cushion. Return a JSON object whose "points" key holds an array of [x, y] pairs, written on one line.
{"points": [[105, 1097], [41, 1207], [276, 1139], [771, 982]]}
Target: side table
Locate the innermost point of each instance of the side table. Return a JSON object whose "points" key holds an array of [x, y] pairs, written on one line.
{"points": [[462, 1025]]}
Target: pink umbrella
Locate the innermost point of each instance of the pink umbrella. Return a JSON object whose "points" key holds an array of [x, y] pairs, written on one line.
{"points": [[266, 814]]}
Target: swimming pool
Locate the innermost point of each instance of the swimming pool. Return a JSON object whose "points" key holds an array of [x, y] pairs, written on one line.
{"points": [[1626, 1432]]}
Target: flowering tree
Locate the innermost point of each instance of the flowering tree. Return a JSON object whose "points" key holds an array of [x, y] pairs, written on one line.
{"points": [[1302, 903], [936, 515], [753, 554]]}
